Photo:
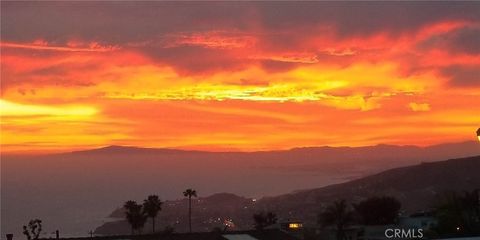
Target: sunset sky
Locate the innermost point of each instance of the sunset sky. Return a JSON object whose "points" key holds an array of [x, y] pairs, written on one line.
{"points": [[237, 75]]}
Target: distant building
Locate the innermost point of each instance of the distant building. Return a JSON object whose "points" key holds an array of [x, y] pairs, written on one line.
{"points": [[288, 226], [293, 228], [421, 220]]}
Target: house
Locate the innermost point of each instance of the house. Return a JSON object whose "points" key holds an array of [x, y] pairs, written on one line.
{"points": [[420, 220]]}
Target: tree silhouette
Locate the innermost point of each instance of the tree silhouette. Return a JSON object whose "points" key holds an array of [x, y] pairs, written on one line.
{"points": [[190, 193], [338, 215], [151, 206], [263, 220], [134, 214], [459, 215], [33, 230], [378, 210], [471, 206]]}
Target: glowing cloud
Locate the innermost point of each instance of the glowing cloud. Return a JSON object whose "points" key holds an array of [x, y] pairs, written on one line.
{"points": [[419, 107]]}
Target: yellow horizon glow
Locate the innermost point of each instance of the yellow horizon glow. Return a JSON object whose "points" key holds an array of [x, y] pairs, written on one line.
{"points": [[11, 109]]}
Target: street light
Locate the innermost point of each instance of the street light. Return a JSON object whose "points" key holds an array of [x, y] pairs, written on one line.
{"points": [[478, 134]]}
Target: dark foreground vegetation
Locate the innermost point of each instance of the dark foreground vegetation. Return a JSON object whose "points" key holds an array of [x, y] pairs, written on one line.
{"points": [[455, 215]]}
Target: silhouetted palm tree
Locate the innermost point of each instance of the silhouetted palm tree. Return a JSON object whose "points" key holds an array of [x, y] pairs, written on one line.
{"points": [[339, 215], [134, 215], [151, 206], [190, 193]]}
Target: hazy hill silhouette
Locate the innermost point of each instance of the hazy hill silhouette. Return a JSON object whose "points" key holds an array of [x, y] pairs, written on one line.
{"points": [[115, 149], [417, 187], [86, 184]]}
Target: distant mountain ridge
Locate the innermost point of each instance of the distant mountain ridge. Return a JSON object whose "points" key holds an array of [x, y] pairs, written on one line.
{"points": [[376, 158], [112, 149], [117, 149], [418, 187]]}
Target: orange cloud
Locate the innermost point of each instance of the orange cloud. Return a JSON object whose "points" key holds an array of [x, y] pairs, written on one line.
{"points": [[214, 39]]}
